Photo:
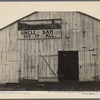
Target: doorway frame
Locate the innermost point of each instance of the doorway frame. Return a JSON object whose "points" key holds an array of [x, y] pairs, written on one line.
{"points": [[77, 63]]}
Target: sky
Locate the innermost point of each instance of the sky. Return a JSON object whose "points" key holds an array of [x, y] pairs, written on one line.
{"points": [[12, 11]]}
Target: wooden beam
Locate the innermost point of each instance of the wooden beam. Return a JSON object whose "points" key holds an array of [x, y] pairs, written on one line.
{"points": [[47, 55], [49, 67]]}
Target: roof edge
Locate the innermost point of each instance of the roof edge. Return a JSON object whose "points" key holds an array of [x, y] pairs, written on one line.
{"points": [[38, 11], [18, 20], [88, 15]]}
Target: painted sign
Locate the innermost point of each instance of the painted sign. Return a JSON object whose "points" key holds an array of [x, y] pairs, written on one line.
{"points": [[39, 29]]}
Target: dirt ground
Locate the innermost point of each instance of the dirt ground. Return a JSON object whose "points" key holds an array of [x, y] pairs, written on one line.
{"points": [[59, 86]]}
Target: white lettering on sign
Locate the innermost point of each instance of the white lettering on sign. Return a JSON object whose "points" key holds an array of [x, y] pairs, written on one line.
{"points": [[29, 30]]}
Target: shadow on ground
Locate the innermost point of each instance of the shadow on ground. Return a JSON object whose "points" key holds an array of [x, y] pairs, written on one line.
{"points": [[54, 86]]}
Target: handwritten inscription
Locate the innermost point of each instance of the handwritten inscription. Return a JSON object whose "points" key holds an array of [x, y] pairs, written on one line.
{"points": [[35, 34], [49, 33], [39, 29], [30, 33]]}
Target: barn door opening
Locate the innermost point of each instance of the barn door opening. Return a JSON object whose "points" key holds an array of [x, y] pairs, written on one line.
{"points": [[68, 66]]}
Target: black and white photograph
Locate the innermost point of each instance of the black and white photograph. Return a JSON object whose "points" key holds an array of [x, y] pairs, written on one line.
{"points": [[45, 49]]}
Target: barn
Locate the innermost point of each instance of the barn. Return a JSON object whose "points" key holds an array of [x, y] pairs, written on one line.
{"points": [[51, 47]]}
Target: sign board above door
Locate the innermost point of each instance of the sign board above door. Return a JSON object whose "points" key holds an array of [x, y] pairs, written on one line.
{"points": [[39, 29]]}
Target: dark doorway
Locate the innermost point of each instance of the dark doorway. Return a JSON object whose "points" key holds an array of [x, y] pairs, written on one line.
{"points": [[68, 66]]}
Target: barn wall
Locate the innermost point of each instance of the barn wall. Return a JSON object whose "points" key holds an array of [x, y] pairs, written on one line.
{"points": [[79, 32], [9, 55], [43, 53], [38, 59]]}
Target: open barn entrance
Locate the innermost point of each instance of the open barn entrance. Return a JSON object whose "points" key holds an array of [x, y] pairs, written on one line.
{"points": [[68, 66]]}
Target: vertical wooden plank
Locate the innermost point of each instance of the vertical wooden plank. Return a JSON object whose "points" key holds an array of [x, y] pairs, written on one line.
{"points": [[11, 38], [1, 40], [90, 41], [17, 44], [58, 15], [16, 71], [34, 53], [90, 47], [67, 24], [46, 47], [63, 29], [41, 61], [85, 42], [25, 55], [52, 58], [12, 72], [44, 15], [78, 31], [4, 39], [98, 58], [6, 73], [11, 49], [98, 53], [41, 52], [49, 53], [93, 71], [36, 64], [80, 22], [89, 60], [66, 31], [7, 39], [4, 55], [70, 34], [4, 69], [17, 55], [92, 67], [81, 66], [73, 35], [90, 37], [92, 59], [22, 59], [95, 51], [47, 58], [82, 42], [33, 57], [56, 57], [1, 73], [29, 58], [87, 66]]}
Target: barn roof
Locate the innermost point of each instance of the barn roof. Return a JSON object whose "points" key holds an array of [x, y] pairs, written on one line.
{"points": [[37, 12]]}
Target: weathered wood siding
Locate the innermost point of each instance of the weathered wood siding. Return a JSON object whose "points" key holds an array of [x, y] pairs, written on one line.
{"points": [[38, 59]]}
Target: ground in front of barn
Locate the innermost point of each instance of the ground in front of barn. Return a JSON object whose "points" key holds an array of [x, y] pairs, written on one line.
{"points": [[54, 86]]}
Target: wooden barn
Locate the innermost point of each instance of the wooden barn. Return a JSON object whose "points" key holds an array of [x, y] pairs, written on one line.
{"points": [[51, 47]]}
